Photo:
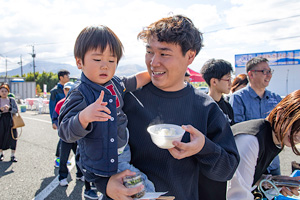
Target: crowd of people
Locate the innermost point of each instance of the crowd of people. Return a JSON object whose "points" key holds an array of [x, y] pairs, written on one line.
{"points": [[233, 134]]}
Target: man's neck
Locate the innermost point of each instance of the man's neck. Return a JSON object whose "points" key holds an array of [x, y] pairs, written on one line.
{"points": [[214, 94], [259, 91]]}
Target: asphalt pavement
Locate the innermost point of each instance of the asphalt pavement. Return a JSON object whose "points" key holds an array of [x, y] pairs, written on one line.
{"points": [[34, 175]]}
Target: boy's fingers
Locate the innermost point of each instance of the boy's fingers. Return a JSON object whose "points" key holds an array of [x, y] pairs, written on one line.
{"points": [[100, 99]]}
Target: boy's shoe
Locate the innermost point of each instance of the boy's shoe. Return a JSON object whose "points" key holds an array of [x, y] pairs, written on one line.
{"points": [[81, 178], [56, 162], [90, 194], [1, 157], [93, 186], [63, 182], [13, 159]]}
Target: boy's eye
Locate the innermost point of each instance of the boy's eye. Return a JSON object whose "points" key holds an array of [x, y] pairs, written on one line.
{"points": [[111, 61], [149, 52], [97, 60]]}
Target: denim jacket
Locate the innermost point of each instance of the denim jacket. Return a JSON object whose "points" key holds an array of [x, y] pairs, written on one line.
{"points": [[98, 143]]}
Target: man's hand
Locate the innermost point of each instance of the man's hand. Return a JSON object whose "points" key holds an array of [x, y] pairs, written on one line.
{"points": [[117, 191], [54, 126], [183, 150], [97, 111]]}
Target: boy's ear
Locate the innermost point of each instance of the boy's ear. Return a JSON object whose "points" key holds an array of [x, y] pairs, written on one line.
{"points": [[79, 63]]}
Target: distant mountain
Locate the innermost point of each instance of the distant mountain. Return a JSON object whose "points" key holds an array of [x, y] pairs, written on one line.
{"points": [[40, 66]]}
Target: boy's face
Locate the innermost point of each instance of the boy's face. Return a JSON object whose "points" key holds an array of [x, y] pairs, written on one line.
{"points": [[166, 64], [224, 84], [99, 67]]}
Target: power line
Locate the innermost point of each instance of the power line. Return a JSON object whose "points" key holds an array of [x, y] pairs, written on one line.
{"points": [[252, 24]]}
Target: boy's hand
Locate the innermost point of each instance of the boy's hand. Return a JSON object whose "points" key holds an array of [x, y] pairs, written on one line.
{"points": [[97, 111]]}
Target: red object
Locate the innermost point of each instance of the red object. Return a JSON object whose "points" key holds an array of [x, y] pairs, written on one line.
{"points": [[195, 76]]}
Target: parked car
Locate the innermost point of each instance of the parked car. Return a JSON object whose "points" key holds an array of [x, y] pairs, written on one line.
{"points": [[203, 89]]}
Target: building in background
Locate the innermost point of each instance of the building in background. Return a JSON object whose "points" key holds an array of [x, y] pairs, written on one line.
{"points": [[286, 65]]}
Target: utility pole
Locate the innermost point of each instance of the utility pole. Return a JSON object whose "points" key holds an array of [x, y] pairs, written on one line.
{"points": [[5, 69], [33, 63], [20, 63]]}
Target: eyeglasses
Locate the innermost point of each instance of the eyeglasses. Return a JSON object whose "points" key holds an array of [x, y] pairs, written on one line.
{"points": [[228, 80], [265, 71]]}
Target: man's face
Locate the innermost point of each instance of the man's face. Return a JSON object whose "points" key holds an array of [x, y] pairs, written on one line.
{"points": [[258, 79], [64, 79], [99, 67], [166, 64]]}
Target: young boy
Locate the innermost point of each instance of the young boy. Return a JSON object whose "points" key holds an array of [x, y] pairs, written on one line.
{"points": [[217, 74], [92, 114]]}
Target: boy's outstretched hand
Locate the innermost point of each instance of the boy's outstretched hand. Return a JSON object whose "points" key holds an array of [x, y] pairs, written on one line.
{"points": [[97, 111]]}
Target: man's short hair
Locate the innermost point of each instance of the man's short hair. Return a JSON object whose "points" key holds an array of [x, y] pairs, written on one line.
{"points": [[94, 37], [178, 30], [215, 68], [253, 62], [62, 73]]}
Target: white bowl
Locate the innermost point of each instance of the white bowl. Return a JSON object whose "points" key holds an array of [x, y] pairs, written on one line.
{"points": [[164, 134]]}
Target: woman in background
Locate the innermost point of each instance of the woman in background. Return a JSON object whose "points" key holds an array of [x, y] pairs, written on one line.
{"points": [[260, 140], [8, 107], [239, 82]]}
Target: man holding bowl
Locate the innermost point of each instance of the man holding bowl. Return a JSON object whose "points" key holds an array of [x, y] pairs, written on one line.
{"points": [[198, 166]]}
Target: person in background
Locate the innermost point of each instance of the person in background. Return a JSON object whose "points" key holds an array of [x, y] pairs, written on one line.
{"points": [[92, 114], [260, 140], [254, 101], [217, 75], [239, 82], [56, 94], [8, 108], [187, 77], [65, 149], [197, 167]]}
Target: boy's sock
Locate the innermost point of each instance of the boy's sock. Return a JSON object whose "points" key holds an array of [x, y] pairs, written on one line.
{"points": [[12, 154]]}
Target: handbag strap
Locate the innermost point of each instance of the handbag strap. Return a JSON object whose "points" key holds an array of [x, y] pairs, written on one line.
{"points": [[12, 134]]}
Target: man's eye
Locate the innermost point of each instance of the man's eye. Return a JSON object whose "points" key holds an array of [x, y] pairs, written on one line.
{"points": [[149, 52], [97, 60], [163, 54]]}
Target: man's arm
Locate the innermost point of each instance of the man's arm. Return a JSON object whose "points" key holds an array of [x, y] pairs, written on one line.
{"points": [[238, 108], [142, 79], [216, 152]]}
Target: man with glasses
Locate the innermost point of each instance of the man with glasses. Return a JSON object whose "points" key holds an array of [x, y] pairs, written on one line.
{"points": [[217, 75], [255, 101]]}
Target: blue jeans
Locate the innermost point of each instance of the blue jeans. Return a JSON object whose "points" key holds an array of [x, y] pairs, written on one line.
{"points": [[124, 159], [65, 149]]}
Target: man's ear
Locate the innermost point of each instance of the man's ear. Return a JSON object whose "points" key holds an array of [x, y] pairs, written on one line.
{"points": [[79, 63], [191, 56], [213, 81]]}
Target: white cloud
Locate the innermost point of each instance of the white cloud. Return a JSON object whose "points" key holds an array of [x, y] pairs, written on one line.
{"points": [[53, 25]]}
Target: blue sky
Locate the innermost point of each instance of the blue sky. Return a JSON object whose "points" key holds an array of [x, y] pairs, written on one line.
{"points": [[230, 26]]}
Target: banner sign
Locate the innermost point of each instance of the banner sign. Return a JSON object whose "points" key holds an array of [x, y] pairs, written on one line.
{"points": [[275, 58]]}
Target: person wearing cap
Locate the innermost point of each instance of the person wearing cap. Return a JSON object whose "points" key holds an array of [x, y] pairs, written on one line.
{"points": [[65, 149], [8, 108], [187, 77]]}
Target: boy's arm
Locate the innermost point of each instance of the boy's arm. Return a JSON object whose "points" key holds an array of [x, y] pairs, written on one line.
{"points": [[142, 78]]}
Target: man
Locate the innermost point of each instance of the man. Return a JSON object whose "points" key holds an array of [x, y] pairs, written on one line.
{"points": [[217, 75], [255, 101], [207, 154], [56, 94]]}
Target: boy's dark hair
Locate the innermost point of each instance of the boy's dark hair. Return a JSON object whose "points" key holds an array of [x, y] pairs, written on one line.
{"points": [[253, 62], [94, 37], [178, 30], [215, 68], [62, 73]]}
